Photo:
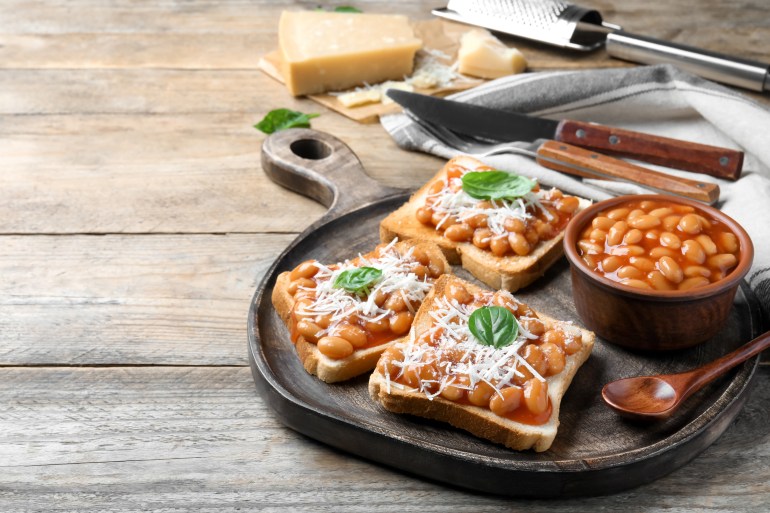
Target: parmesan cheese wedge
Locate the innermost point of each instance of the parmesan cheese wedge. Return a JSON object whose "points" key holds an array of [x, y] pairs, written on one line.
{"points": [[328, 51], [483, 55]]}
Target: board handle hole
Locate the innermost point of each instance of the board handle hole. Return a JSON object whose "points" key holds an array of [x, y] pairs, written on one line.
{"points": [[311, 149]]}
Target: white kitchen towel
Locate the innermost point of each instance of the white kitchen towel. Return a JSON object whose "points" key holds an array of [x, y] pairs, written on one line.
{"points": [[660, 100]]}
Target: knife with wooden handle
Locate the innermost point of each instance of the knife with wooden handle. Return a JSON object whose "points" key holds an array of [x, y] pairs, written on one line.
{"points": [[573, 160], [506, 126]]}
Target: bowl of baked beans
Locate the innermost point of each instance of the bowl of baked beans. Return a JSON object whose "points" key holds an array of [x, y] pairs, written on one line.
{"points": [[655, 272]]}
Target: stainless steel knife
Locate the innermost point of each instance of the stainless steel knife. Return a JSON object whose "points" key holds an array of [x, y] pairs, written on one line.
{"points": [[507, 126]]}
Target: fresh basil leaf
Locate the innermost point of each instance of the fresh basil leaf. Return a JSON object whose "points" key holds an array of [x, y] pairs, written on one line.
{"points": [[494, 326], [342, 8], [346, 8], [281, 119], [496, 185], [357, 280]]}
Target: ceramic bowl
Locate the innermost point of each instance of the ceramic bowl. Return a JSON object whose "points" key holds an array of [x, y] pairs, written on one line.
{"points": [[654, 320]]}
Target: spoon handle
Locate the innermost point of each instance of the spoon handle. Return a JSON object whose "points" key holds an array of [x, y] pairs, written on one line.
{"points": [[699, 377]]}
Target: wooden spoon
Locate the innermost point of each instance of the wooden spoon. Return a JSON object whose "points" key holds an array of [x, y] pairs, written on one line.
{"points": [[657, 397]]}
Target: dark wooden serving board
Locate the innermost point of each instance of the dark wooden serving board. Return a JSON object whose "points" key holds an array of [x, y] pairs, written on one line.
{"points": [[595, 451]]}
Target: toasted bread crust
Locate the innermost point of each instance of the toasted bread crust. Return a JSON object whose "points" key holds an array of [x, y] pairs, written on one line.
{"points": [[481, 422], [510, 272], [362, 360]]}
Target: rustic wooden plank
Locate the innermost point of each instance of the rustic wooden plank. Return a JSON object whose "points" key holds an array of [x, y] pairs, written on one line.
{"points": [[166, 173], [139, 439], [171, 299]]}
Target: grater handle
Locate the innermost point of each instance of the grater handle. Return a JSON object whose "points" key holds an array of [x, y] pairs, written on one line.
{"points": [[715, 66]]}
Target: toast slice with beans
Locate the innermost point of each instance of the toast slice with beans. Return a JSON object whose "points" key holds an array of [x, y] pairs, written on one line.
{"points": [[342, 316], [506, 242], [484, 362]]}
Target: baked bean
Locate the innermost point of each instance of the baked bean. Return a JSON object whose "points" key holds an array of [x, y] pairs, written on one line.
{"points": [[425, 215], [395, 302], [352, 333], [643, 264], [401, 322], [410, 376], [514, 224], [618, 214], [567, 204], [482, 237], [670, 269], [385, 364], [459, 233], [692, 271], [690, 223], [705, 224], [309, 330], [635, 213], [335, 347], [629, 272], [637, 284], [519, 244], [633, 236], [536, 396], [544, 230], [661, 212], [728, 242], [436, 187], [652, 235], [602, 223], [554, 357], [707, 244], [477, 221], [630, 250], [379, 326], [435, 269], [555, 337], [682, 209], [722, 261], [573, 341], [499, 246], [611, 264], [429, 377], [441, 220], [647, 205], [658, 281], [534, 326], [306, 269], [659, 252], [420, 271], [480, 394], [532, 237], [323, 320], [644, 222], [616, 233], [670, 240], [598, 235], [380, 297], [536, 359], [420, 255], [590, 248], [591, 260], [457, 292], [301, 283], [452, 392], [506, 400], [691, 283], [693, 251], [301, 309], [669, 223]]}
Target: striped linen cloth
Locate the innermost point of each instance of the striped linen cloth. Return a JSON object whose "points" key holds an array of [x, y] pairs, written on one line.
{"points": [[660, 100]]}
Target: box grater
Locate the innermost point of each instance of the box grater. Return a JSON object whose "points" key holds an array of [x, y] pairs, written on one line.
{"points": [[567, 25]]}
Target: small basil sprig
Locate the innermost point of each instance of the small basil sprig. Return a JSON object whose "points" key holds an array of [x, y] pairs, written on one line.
{"points": [[281, 119], [357, 280], [494, 326], [496, 185], [342, 8]]}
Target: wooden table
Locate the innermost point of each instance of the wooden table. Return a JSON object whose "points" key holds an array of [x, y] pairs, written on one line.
{"points": [[135, 224]]}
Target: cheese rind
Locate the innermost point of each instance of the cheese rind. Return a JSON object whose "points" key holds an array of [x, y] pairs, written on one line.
{"points": [[327, 51], [483, 55]]}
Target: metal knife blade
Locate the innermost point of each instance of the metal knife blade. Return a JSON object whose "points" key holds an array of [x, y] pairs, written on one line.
{"points": [[507, 126]]}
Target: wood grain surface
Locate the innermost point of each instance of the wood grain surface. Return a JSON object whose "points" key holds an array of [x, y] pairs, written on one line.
{"points": [[136, 222]]}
